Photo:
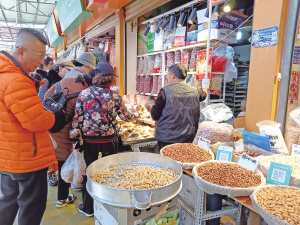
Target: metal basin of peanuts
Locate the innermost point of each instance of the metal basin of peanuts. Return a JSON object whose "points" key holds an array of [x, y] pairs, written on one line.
{"points": [[134, 179]]}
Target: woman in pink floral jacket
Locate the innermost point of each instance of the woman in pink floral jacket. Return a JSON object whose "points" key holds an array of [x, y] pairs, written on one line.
{"points": [[96, 110]]}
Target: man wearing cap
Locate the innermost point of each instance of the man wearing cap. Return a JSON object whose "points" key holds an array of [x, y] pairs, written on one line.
{"points": [[83, 65], [177, 109]]}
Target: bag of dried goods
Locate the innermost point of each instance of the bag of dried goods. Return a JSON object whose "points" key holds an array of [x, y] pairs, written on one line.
{"points": [[157, 64], [140, 66], [170, 60], [151, 62], [187, 155], [277, 204], [145, 71], [216, 84], [177, 57], [159, 85], [271, 130], [148, 84], [155, 85], [138, 80], [217, 112], [142, 84], [193, 61], [292, 132], [227, 178]]}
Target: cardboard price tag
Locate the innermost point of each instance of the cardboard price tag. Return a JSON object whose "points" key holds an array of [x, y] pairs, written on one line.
{"points": [[204, 143], [296, 150], [224, 153], [248, 162], [279, 174]]}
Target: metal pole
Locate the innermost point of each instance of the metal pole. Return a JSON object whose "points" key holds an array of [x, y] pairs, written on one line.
{"points": [[286, 64], [207, 52]]}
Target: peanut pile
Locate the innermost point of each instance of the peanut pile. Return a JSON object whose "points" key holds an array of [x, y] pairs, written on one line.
{"points": [[135, 177], [186, 153], [283, 203], [228, 175], [252, 154]]}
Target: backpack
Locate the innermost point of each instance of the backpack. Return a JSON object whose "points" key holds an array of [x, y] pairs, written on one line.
{"points": [[56, 103]]}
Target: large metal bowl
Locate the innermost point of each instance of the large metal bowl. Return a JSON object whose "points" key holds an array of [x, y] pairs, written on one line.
{"points": [[140, 199]]}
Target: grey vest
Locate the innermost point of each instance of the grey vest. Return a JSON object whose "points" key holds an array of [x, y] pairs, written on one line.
{"points": [[180, 116]]}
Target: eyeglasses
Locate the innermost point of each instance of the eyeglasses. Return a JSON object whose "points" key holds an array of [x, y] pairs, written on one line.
{"points": [[42, 56]]}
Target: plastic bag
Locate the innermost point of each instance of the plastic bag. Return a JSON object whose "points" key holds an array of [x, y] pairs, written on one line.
{"points": [[148, 84], [145, 71], [141, 66], [271, 130], [220, 56], [151, 62], [155, 85], [193, 61], [169, 39], [138, 83], [142, 84], [215, 132], [74, 168], [230, 71], [157, 64], [170, 60], [292, 132], [217, 112], [177, 57]]}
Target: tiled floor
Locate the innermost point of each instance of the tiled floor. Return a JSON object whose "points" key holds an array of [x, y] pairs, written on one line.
{"points": [[68, 215]]}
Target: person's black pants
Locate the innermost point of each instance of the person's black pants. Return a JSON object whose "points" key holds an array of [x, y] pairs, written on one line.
{"points": [[26, 192], [163, 144], [90, 153], [63, 187]]}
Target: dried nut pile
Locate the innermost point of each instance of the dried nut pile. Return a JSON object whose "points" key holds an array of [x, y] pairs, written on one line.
{"points": [[252, 154], [289, 160], [186, 153], [135, 177], [283, 203], [228, 175]]}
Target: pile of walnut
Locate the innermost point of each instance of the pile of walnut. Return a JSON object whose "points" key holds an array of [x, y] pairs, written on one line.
{"points": [[281, 202], [186, 153], [252, 154], [228, 175], [135, 177]]}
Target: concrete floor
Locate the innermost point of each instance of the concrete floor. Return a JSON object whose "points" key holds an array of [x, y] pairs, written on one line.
{"points": [[68, 215]]}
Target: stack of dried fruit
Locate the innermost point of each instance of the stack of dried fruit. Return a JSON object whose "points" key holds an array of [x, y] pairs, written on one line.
{"points": [[228, 175], [186, 153], [281, 202]]}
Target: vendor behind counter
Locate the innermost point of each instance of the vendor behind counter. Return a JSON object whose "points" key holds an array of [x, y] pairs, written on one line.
{"points": [[177, 109]]}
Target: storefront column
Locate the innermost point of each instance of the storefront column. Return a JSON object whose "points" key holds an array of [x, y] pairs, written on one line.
{"points": [[264, 64], [119, 36]]}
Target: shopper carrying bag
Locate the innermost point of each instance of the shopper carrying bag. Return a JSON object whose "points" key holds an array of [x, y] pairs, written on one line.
{"points": [[95, 119]]}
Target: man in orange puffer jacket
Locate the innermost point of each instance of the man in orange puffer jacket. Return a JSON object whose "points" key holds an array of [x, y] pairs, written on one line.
{"points": [[26, 149]]}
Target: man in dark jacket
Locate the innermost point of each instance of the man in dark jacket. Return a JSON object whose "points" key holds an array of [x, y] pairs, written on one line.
{"points": [[177, 109]]}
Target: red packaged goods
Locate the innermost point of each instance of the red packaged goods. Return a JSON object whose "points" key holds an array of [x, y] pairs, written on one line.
{"points": [[148, 84], [155, 85], [177, 57], [180, 37], [185, 58], [157, 64], [218, 63], [142, 84]]}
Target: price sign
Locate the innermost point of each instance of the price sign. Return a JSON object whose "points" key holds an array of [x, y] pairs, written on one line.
{"points": [[203, 143], [248, 162], [279, 174], [296, 150], [135, 99], [127, 99], [224, 153]]}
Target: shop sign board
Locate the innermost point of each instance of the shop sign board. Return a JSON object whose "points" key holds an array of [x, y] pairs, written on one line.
{"points": [[294, 86], [296, 58], [296, 150], [265, 37], [71, 14], [279, 174], [224, 153], [248, 162], [204, 143], [52, 32]]}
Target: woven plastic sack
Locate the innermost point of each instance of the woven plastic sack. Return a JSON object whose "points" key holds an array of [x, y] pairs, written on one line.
{"points": [[74, 168], [211, 188], [215, 132], [269, 218], [189, 166], [292, 131]]}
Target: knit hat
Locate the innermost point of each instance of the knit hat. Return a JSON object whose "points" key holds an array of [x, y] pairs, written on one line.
{"points": [[87, 59], [65, 63]]}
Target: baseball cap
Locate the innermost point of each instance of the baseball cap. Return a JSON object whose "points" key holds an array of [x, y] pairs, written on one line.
{"points": [[87, 59], [65, 62], [104, 68]]}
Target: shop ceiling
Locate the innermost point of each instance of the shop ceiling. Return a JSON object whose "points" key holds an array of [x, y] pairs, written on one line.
{"points": [[16, 14]]}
